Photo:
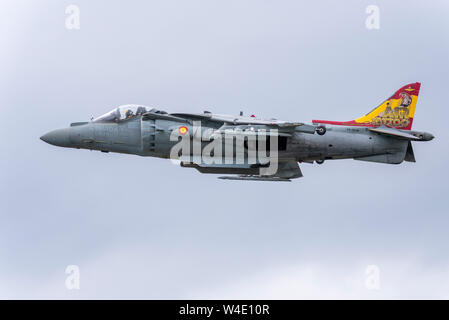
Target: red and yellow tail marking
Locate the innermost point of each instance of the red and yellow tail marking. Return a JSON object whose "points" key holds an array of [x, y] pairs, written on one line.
{"points": [[396, 112]]}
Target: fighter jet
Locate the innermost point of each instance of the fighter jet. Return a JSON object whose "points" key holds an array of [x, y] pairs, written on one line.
{"points": [[247, 147]]}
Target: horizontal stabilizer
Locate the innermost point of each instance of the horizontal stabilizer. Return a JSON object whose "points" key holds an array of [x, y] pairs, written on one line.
{"points": [[394, 132]]}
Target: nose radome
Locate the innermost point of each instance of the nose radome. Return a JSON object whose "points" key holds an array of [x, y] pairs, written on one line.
{"points": [[59, 137]]}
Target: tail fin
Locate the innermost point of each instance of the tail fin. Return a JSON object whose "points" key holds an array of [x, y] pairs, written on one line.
{"points": [[396, 112]]}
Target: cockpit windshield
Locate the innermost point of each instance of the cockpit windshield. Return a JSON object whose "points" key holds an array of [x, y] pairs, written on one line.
{"points": [[123, 112]]}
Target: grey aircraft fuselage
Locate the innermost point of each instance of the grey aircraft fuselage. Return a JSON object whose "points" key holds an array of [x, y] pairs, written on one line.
{"points": [[149, 135]]}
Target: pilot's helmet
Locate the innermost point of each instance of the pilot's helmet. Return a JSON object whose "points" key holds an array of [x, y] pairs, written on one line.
{"points": [[128, 113]]}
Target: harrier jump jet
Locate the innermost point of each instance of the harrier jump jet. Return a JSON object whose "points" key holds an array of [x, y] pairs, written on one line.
{"points": [[244, 148]]}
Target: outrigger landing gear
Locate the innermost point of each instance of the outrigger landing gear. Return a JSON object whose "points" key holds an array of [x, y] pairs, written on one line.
{"points": [[319, 161], [320, 130]]}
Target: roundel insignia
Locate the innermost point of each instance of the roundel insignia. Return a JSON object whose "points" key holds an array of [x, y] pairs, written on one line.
{"points": [[183, 130]]}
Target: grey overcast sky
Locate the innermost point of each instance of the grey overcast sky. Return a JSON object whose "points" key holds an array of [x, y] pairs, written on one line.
{"points": [[144, 228]]}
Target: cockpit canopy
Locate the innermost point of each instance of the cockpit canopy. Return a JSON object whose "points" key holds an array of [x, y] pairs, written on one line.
{"points": [[123, 112]]}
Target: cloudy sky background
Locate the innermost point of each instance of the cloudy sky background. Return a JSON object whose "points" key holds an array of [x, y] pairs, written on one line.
{"points": [[144, 228]]}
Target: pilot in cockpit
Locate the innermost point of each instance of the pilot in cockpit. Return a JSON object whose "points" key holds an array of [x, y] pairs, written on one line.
{"points": [[129, 113], [123, 113]]}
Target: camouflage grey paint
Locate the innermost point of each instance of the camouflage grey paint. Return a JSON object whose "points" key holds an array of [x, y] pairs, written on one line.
{"points": [[150, 136]]}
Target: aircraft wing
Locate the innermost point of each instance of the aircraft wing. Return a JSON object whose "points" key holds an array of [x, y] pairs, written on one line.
{"points": [[250, 130], [229, 120]]}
